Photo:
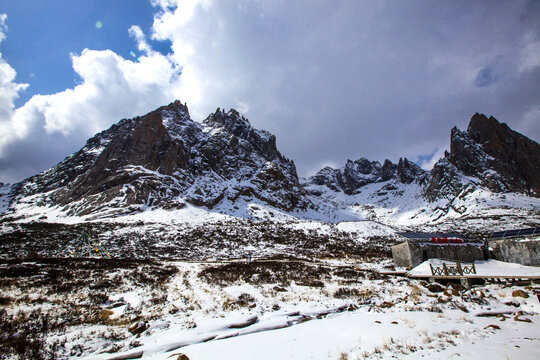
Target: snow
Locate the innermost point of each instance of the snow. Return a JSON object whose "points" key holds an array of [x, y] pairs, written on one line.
{"points": [[369, 331], [130, 297], [367, 228], [359, 333], [4, 200], [385, 318], [487, 268], [363, 333]]}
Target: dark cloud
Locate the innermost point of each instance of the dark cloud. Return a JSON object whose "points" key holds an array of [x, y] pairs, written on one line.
{"points": [[349, 79], [365, 79]]}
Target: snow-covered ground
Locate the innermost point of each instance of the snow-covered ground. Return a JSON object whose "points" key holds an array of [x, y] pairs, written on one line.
{"points": [[268, 309], [397, 323], [388, 335], [312, 293], [487, 268]]}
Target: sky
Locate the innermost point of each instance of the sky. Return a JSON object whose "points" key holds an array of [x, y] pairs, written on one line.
{"points": [[333, 80]]}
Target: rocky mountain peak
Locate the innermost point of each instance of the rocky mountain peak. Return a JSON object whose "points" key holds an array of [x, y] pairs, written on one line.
{"points": [[501, 158], [407, 171], [237, 127], [484, 130], [388, 170], [359, 173], [166, 159], [231, 120]]}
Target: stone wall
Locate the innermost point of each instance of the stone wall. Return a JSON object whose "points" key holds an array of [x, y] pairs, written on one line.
{"points": [[461, 252], [402, 255], [411, 254], [520, 252]]}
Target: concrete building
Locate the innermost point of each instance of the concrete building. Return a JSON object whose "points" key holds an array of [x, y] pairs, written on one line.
{"points": [[520, 246], [419, 247]]}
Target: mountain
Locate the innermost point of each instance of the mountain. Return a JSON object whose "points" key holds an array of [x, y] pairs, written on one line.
{"points": [[356, 174], [165, 161], [493, 155]]}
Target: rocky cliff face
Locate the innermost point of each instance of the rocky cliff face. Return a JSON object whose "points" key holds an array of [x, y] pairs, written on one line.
{"points": [[493, 155], [165, 159], [359, 173]]}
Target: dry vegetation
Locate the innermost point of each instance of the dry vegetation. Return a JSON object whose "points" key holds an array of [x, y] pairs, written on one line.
{"points": [[183, 242], [54, 295]]}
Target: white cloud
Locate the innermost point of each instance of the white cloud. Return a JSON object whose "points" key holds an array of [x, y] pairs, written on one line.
{"points": [[9, 90], [338, 80], [427, 163], [110, 88], [530, 56], [3, 27], [139, 36]]}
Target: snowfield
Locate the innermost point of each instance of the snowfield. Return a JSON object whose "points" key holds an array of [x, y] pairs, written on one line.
{"points": [[390, 335], [246, 280], [263, 309]]}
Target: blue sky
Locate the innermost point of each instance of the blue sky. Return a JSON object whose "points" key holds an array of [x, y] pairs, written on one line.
{"points": [[333, 80], [42, 34]]}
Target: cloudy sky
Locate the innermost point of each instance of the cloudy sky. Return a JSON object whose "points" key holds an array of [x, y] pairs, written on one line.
{"points": [[334, 80]]}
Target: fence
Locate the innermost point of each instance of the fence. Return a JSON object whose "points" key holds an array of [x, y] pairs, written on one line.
{"points": [[452, 270]]}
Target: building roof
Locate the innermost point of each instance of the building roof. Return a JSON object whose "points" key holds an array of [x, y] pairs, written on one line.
{"points": [[535, 231], [429, 236]]}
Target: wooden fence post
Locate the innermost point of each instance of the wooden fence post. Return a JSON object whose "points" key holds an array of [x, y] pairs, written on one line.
{"points": [[460, 269]]}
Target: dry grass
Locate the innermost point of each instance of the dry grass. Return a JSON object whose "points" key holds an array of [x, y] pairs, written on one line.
{"points": [[266, 272], [73, 292], [415, 294]]}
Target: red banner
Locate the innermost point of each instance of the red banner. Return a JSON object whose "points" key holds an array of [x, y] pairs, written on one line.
{"points": [[443, 240]]}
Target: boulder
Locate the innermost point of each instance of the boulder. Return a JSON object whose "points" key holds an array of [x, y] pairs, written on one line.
{"points": [[520, 293]]}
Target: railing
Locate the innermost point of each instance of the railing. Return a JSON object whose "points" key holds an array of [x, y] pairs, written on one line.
{"points": [[452, 270]]}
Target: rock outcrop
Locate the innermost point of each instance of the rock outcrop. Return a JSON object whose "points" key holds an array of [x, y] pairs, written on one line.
{"points": [[359, 173], [489, 154]]}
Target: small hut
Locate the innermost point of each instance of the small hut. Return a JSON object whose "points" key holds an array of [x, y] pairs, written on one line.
{"points": [[419, 247]]}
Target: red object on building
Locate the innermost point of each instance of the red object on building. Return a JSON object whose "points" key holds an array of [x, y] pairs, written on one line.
{"points": [[437, 240]]}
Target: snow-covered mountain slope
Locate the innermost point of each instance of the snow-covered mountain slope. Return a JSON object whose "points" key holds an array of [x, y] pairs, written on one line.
{"points": [[166, 160], [489, 178], [164, 167], [405, 206], [4, 197]]}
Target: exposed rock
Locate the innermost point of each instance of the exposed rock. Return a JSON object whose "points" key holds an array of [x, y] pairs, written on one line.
{"points": [[446, 181], [520, 293], [326, 176], [180, 356], [501, 158], [434, 288], [252, 320], [407, 171], [359, 173], [519, 318], [138, 327], [388, 170], [165, 159]]}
